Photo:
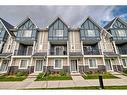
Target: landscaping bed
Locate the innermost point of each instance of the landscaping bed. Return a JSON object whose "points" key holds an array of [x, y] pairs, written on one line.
{"points": [[19, 76], [53, 76], [95, 75]]}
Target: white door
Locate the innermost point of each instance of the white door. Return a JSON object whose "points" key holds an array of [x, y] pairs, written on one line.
{"points": [[74, 66], [39, 66], [108, 64], [4, 65]]}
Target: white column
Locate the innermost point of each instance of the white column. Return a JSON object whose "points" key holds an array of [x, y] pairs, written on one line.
{"points": [[34, 44], [82, 48]]}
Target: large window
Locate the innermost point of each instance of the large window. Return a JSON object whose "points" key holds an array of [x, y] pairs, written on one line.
{"points": [[92, 63], [121, 33], [124, 62], [59, 50], [23, 64], [58, 64], [91, 33], [27, 33], [59, 33]]}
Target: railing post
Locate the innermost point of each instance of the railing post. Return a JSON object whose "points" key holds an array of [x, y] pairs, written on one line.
{"points": [[101, 82]]}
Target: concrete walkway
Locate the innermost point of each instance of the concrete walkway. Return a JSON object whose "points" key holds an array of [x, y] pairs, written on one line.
{"points": [[77, 81]]}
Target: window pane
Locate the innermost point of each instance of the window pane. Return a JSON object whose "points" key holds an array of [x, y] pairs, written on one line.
{"points": [[121, 33], [58, 64], [59, 33], [27, 33], [23, 64], [91, 33], [92, 62]]}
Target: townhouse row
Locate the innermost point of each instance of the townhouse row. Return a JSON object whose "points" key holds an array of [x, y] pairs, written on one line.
{"points": [[26, 47]]}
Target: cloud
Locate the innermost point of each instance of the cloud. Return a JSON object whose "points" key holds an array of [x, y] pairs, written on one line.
{"points": [[44, 15]]}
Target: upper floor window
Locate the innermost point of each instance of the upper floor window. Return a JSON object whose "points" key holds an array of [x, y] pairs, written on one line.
{"points": [[27, 33], [121, 33], [59, 33], [91, 33]]}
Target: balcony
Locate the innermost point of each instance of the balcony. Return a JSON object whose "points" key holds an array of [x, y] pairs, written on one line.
{"points": [[122, 51], [58, 53], [92, 52], [22, 52]]}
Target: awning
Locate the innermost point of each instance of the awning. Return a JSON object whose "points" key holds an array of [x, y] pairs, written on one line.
{"points": [[40, 54], [5, 55]]}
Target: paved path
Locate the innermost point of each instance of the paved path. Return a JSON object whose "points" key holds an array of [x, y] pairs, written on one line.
{"points": [[76, 82]]}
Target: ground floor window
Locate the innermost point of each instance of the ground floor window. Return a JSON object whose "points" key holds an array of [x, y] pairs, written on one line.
{"points": [[124, 62], [92, 63], [58, 64], [23, 64]]}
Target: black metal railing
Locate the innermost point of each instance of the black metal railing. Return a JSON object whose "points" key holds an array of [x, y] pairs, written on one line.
{"points": [[122, 51], [22, 52], [92, 52], [58, 53]]}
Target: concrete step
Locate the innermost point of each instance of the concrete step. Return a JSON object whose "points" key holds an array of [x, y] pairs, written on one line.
{"points": [[33, 75], [75, 74]]}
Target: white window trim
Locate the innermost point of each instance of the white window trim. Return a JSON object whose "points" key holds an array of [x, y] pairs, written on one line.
{"points": [[122, 62], [92, 32], [61, 64], [26, 64], [58, 47], [27, 34], [95, 61]]}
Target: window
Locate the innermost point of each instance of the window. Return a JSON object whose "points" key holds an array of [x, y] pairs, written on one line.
{"points": [[59, 33], [92, 63], [121, 33], [23, 64], [58, 64], [124, 62], [91, 33], [27, 33], [59, 50]]}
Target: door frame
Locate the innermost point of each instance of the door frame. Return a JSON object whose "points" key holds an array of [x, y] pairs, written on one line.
{"points": [[110, 63], [42, 65], [77, 66]]}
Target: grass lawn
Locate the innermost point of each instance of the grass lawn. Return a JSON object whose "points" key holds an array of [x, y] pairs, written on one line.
{"points": [[42, 77], [82, 88], [4, 78], [105, 75]]}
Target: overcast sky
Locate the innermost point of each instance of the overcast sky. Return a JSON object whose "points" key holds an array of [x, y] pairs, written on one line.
{"points": [[72, 15]]}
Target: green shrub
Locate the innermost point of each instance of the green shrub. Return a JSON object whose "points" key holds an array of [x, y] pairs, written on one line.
{"points": [[62, 73], [48, 73], [40, 76], [125, 71], [21, 73]]}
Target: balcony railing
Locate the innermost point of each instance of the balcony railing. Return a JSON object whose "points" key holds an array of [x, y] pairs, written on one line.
{"points": [[92, 52], [120, 38], [90, 38], [58, 53], [122, 51], [21, 52]]}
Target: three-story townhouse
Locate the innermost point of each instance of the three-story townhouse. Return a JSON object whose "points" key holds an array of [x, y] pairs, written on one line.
{"points": [[26, 35], [90, 35], [118, 29], [7, 38]]}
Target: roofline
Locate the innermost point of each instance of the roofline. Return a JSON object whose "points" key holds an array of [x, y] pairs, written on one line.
{"points": [[89, 17], [58, 17], [23, 20], [5, 27]]}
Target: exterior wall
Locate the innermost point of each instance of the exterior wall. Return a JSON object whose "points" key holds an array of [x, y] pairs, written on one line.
{"points": [[9, 45], [42, 42], [100, 65], [106, 44], [74, 41]]}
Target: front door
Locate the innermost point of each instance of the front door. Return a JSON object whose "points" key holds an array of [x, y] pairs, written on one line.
{"points": [[74, 66], [39, 66], [4, 65], [108, 64]]}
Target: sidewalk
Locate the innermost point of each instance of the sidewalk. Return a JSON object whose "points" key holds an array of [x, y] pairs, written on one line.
{"points": [[76, 82]]}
